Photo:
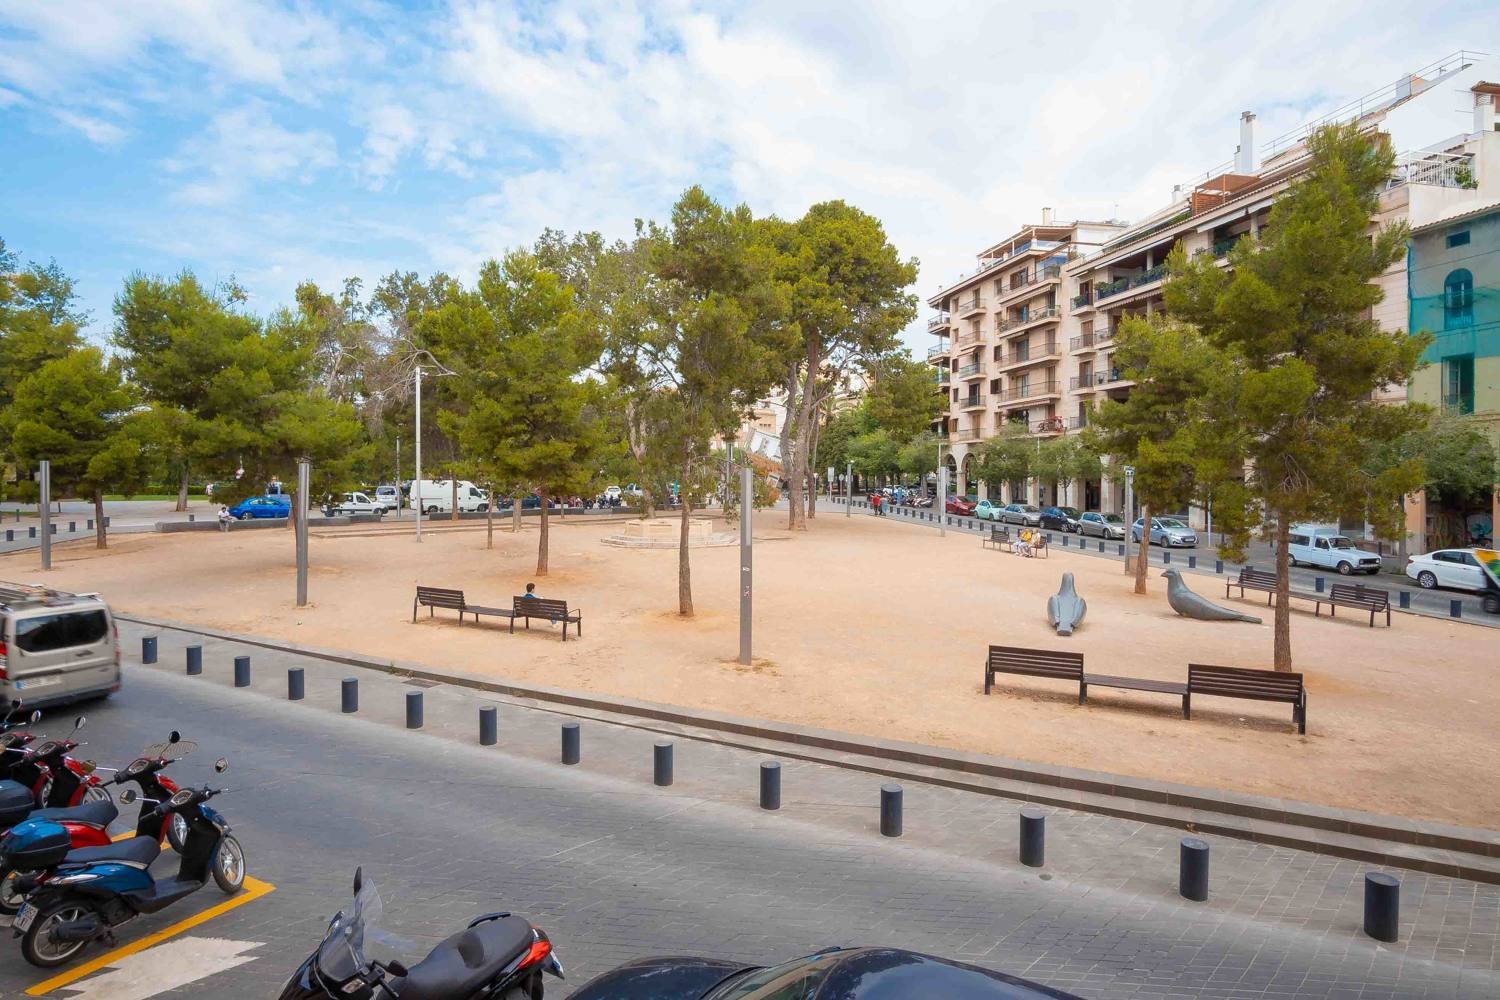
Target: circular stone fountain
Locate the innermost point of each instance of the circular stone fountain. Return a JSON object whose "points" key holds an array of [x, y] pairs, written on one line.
{"points": [[666, 533]]}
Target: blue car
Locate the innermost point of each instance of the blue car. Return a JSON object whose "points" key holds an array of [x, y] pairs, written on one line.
{"points": [[272, 505]]}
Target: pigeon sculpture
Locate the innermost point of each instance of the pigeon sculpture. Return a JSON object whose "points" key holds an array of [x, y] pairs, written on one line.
{"points": [[1190, 605], [1065, 608]]}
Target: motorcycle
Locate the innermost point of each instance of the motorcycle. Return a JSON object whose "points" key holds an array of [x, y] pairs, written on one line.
{"points": [[74, 903], [88, 824], [499, 956]]}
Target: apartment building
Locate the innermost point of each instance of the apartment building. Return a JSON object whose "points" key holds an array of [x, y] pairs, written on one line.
{"points": [[1120, 273]]}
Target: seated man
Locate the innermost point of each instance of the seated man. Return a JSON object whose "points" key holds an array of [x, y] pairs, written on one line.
{"points": [[1022, 545]]}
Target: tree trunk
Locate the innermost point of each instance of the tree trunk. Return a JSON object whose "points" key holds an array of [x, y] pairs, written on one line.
{"points": [[684, 569], [100, 541], [1282, 643], [812, 477], [1143, 554], [788, 435], [515, 513], [541, 548], [489, 520], [454, 515], [182, 489], [648, 504]]}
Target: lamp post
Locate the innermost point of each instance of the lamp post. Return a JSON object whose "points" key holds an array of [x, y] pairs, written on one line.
{"points": [[747, 499], [416, 482], [45, 512], [1130, 509], [304, 483]]}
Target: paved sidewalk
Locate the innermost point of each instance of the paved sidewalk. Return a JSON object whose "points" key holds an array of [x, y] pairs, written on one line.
{"points": [[1102, 918]]}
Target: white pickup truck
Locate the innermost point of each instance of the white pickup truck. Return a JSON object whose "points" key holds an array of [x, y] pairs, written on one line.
{"points": [[352, 503]]}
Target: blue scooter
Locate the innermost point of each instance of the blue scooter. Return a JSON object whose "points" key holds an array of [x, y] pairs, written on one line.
{"points": [[74, 904]]}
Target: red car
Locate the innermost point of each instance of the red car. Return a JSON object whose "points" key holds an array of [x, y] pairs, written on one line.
{"points": [[960, 505]]}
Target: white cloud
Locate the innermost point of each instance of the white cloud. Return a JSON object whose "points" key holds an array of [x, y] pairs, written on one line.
{"points": [[244, 146], [96, 130]]}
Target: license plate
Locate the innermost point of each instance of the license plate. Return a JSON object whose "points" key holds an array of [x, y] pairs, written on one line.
{"points": [[32, 683], [24, 918]]}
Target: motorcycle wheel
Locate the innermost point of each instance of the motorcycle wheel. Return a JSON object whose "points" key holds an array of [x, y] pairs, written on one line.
{"points": [[95, 793], [229, 866], [38, 948], [10, 903], [177, 832]]}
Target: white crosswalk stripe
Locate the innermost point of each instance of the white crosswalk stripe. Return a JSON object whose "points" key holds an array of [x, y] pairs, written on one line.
{"points": [[165, 967]]}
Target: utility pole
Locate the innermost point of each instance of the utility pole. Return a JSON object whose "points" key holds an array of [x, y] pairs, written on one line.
{"points": [[747, 497], [849, 490], [942, 500], [1130, 521], [304, 483], [46, 513], [398, 477], [416, 483]]}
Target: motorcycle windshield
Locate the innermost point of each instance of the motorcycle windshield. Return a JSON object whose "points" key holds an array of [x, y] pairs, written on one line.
{"points": [[167, 750], [341, 955]]}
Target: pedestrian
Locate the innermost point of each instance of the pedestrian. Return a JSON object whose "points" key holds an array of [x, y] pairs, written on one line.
{"points": [[224, 518], [530, 592], [875, 502]]}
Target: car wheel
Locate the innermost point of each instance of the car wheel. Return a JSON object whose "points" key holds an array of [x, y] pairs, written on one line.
{"points": [[1345, 568], [1426, 580], [1492, 604]]}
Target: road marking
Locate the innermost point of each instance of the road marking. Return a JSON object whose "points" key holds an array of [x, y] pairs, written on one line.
{"points": [[166, 967], [254, 889]]}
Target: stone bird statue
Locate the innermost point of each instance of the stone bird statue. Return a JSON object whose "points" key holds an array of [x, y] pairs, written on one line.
{"points": [[1065, 608], [1190, 605]]}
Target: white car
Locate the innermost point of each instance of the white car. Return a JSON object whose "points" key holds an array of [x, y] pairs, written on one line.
{"points": [[1455, 568], [352, 503], [612, 492], [387, 497]]}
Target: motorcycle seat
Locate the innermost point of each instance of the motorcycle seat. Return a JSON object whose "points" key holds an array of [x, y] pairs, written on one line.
{"points": [[136, 850], [100, 814], [463, 963], [16, 802]]}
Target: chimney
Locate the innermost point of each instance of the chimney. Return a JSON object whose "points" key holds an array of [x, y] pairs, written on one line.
{"points": [[1244, 162], [1484, 106], [1176, 193], [1047, 216]]}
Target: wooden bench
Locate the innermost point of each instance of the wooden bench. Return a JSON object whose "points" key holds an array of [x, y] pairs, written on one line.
{"points": [[999, 537], [548, 608], [1255, 685], [1034, 663], [441, 597], [1259, 579], [1371, 599]]}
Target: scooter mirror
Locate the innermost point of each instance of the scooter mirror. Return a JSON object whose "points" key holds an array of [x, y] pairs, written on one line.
{"points": [[78, 722], [175, 737], [359, 879], [128, 796], [36, 717], [221, 765]]}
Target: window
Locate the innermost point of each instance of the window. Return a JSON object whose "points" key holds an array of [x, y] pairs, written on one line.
{"points": [[71, 628], [1297, 540], [1458, 239], [1458, 299], [1458, 385]]}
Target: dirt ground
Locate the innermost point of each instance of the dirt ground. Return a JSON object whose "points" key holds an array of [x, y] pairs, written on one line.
{"points": [[878, 629]]}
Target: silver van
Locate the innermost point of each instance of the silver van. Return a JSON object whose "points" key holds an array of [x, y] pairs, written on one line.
{"points": [[56, 646]]}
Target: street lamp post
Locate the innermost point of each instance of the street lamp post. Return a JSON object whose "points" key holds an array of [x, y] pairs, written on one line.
{"points": [[1129, 521], [849, 490], [747, 498], [304, 483], [416, 483], [46, 513]]}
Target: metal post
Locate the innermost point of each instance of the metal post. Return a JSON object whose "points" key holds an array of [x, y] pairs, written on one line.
{"points": [[398, 477], [296, 684], [45, 511], [1033, 837], [849, 490], [747, 494], [242, 671], [304, 483], [572, 749], [148, 649], [488, 726], [1382, 906], [416, 483], [1130, 509], [770, 785], [1404, 601], [349, 695], [1192, 869], [1455, 609], [890, 810], [661, 764], [413, 710], [942, 501], [194, 660]]}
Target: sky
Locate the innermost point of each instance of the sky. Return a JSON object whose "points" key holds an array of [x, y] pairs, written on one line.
{"points": [[280, 142]]}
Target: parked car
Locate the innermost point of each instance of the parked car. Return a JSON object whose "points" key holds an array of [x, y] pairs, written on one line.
{"points": [[1165, 531], [352, 503], [1106, 526], [612, 492], [1457, 569], [986, 511], [1060, 518], [834, 974], [388, 497], [436, 496], [1327, 549], [1022, 513], [960, 505], [270, 505], [60, 646]]}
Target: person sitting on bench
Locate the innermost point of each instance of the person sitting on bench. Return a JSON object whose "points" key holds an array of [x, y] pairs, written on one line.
{"points": [[1022, 544], [531, 593]]}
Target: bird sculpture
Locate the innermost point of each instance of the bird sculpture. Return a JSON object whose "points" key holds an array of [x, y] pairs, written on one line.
{"points": [[1190, 605], [1065, 608]]}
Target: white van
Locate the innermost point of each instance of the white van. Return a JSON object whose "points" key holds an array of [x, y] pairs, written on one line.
{"points": [[55, 646], [435, 496], [1325, 548]]}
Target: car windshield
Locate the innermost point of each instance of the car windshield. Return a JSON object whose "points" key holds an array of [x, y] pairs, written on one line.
{"points": [[1340, 542], [1170, 522], [1070, 511], [1030, 508]]}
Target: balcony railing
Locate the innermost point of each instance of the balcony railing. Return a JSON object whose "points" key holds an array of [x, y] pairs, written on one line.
{"points": [[941, 376], [1089, 382], [971, 401], [1109, 288], [1091, 340], [967, 434], [1147, 277], [937, 351], [971, 369], [1079, 301], [938, 322], [969, 338], [1029, 391], [1056, 425], [1030, 354], [971, 305], [1028, 316]]}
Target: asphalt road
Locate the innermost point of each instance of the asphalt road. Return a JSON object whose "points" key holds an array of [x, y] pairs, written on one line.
{"points": [[615, 868]]}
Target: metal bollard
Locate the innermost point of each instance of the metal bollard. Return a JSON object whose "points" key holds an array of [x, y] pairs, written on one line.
{"points": [[148, 649], [1218, 565], [572, 750], [413, 710], [770, 785], [1318, 584], [1382, 906], [72, 527], [1065, 541], [1122, 550], [31, 532], [242, 671], [192, 518], [1192, 869], [194, 660], [349, 695], [1405, 600], [89, 524], [488, 726], [1101, 546], [106, 520], [661, 764], [1192, 562], [890, 810], [1033, 837], [1166, 557], [10, 534], [1455, 609], [296, 684]]}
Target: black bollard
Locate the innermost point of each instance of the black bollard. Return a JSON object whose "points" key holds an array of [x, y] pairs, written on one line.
{"points": [[192, 518], [194, 660], [1192, 869], [32, 532], [1033, 836], [296, 684], [1218, 565], [148, 649], [413, 710], [90, 524], [488, 726], [661, 763], [242, 671], [72, 526], [349, 695], [1455, 609], [1382, 906], [10, 534], [572, 750], [890, 810], [1065, 541], [770, 785], [1405, 600], [1318, 584], [1192, 562]]}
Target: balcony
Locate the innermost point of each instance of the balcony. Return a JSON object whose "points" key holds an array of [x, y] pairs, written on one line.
{"points": [[972, 370], [966, 435], [937, 352], [941, 376], [1149, 276], [1055, 425], [973, 401], [1083, 301], [1090, 341], [1027, 317], [938, 322], [1104, 291], [968, 339], [969, 307], [1029, 391], [1028, 355]]}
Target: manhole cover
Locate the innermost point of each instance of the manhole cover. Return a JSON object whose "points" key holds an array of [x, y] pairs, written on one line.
{"points": [[418, 682]]}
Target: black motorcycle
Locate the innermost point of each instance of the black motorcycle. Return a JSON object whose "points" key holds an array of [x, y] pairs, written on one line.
{"points": [[499, 956]]}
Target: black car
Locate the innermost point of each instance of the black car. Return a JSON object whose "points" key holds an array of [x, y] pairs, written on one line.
{"points": [[835, 974], [1060, 518]]}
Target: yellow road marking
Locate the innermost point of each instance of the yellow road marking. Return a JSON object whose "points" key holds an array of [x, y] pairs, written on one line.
{"points": [[254, 889]]}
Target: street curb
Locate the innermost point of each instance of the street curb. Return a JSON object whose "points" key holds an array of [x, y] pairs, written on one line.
{"points": [[1234, 814]]}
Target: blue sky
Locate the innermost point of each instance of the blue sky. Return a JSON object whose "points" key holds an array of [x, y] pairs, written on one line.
{"points": [[278, 142]]}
